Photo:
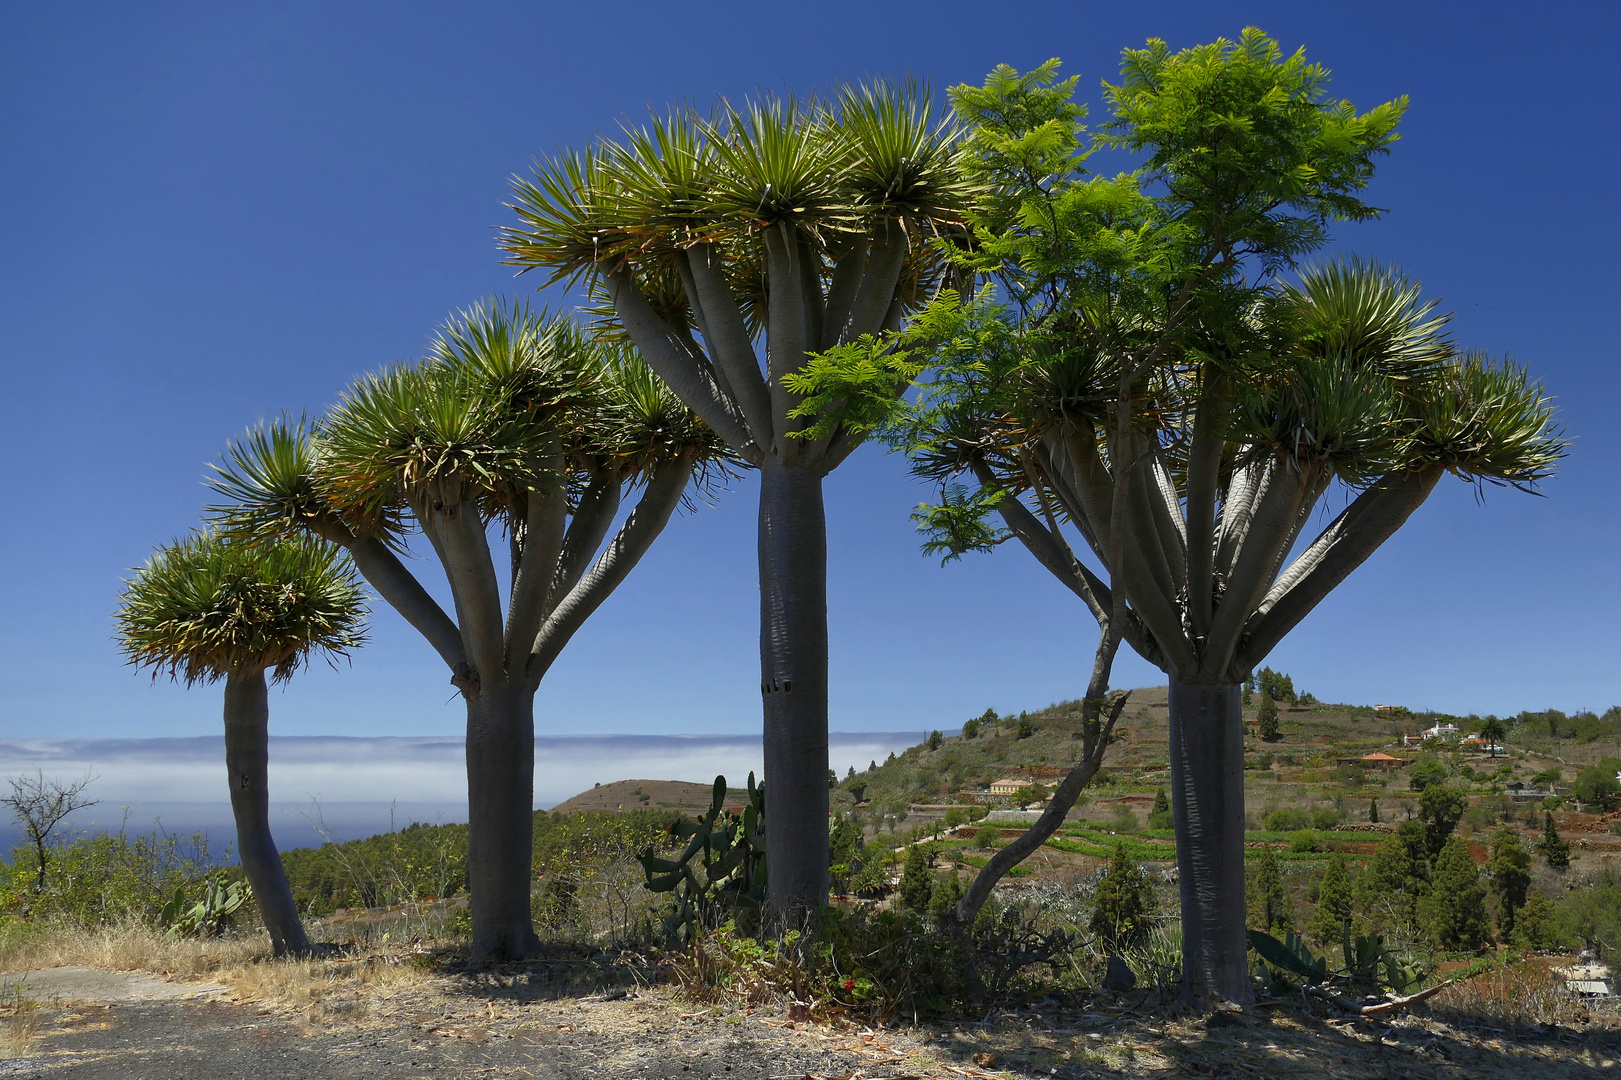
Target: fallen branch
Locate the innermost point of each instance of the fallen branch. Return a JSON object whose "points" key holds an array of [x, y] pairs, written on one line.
{"points": [[1379, 1008]]}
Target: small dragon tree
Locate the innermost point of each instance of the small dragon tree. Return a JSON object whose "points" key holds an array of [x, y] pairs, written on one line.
{"points": [[208, 608], [514, 422]]}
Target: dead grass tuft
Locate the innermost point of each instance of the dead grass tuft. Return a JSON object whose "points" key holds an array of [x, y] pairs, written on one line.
{"points": [[130, 946], [21, 1024]]}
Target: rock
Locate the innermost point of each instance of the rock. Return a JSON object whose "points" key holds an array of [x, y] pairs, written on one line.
{"points": [[1118, 978]]}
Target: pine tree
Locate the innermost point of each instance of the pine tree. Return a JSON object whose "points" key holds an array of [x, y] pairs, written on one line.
{"points": [[1387, 891], [1268, 717], [916, 884], [1161, 803], [1554, 849], [1373, 811], [1121, 903], [1510, 871], [1269, 906], [1327, 926], [1454, 912]]}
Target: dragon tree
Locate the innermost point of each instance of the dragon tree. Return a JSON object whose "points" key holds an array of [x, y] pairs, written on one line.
{"points": [[732, 249], [514, 424], [206, 608]]}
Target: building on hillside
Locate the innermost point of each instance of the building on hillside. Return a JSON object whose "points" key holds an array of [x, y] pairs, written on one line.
{"points": [[1441, 731], [1378, 760], [1010, 784]]}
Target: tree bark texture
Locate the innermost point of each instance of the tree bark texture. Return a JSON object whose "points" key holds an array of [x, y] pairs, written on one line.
{"points": [[247, 762], [501, 824], [1207, 800], [793, 683]]}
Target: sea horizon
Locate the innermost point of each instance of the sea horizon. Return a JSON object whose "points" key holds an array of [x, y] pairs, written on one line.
{"points": [[341, 787]]}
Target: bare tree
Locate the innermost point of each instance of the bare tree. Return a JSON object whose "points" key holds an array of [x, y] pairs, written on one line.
{"points": [[40, 805]]}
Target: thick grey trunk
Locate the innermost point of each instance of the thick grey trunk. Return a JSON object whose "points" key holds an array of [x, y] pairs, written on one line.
{"points": [[247, 762], [793, 683], [1207, 800], [500, 799]]}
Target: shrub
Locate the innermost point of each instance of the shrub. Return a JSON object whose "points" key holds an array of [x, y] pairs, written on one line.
{"points": [[1288, 819], [987, 837], [1303, 842], [948, 889], [1026, 728], [1597, 785], [1326, 817], [1161, 817]]}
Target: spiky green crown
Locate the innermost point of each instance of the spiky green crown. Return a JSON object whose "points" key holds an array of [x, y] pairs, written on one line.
{"points": [[206, 606]]}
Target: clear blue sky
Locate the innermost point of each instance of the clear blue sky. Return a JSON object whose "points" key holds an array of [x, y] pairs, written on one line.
{"points": [[213, 213]]}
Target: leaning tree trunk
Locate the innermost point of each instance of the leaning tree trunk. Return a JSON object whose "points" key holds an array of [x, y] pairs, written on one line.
{"points": [[501, 823], [793, 684], [1207, 799], [247, 762]]}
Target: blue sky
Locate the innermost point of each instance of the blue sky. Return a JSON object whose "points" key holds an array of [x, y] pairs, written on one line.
{"points": [[214, 213]]}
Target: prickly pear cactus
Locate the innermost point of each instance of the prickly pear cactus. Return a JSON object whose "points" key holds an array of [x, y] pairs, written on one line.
{"points": [[209, 916], [721, 866]]}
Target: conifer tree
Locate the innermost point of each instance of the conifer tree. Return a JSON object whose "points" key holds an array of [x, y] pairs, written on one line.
{"points": [[1510, 871], [1333, 904], [916, 884], [1373, 811], [1454, 911], [1387, 891], [1121, 904], [1268, 716], [1269, 906], [1554, 848]]}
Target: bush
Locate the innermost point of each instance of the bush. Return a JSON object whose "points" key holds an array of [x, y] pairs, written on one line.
{"points": [[987, 837], [1303, 842], [1288, 819], [1598, 786]]}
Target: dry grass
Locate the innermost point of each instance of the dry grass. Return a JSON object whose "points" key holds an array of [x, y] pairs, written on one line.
{"points": [[319, 987], [131, 946], [21, 1024], [1515, 994]]}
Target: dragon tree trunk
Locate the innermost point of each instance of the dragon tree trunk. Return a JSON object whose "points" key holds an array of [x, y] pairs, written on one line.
{"points": [[1207, 801], [793, 684], [501, 824], [247, 762]]}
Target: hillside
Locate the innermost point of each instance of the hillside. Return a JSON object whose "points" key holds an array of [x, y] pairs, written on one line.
{"points": [[680, 795]]}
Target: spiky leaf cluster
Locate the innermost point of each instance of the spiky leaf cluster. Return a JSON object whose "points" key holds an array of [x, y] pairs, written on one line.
{"points": [[206, 606], [508, 400], [824, 171]]}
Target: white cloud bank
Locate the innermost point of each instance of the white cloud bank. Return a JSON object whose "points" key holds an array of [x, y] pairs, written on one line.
{"points": [[356, 781]]}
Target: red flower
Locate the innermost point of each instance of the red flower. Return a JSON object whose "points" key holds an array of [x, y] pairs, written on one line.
{"points": [[849, 984]]}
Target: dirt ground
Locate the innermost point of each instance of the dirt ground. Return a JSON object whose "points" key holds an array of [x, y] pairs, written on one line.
{"points": [[519, 1023]]}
